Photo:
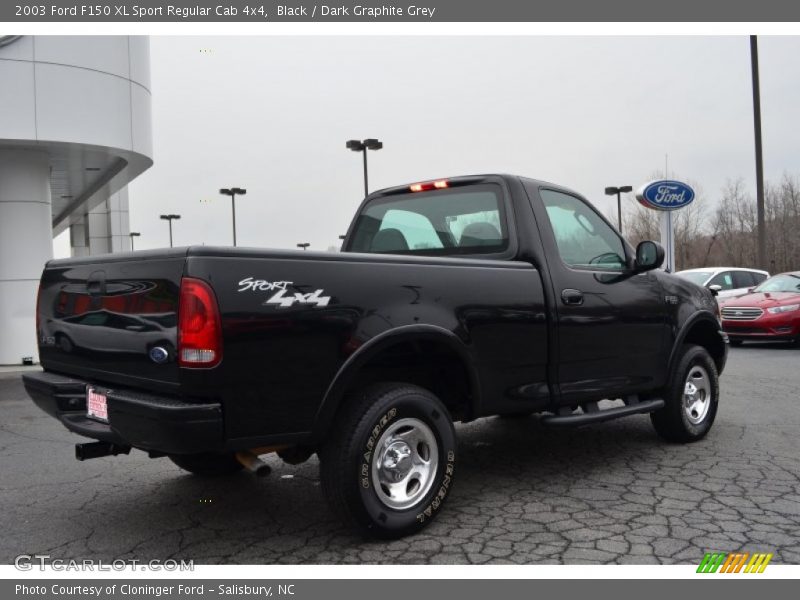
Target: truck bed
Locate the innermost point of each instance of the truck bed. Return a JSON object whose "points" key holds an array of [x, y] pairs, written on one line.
{"points": [[101, 316]]}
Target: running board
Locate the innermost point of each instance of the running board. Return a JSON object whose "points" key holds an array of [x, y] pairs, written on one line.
{"points": [[594, 415]]}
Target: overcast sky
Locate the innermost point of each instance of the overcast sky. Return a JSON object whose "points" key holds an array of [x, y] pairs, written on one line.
{"points": [[272, 114]]}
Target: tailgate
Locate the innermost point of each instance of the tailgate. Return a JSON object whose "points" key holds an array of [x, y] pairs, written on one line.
{"points": [[112, 319]]}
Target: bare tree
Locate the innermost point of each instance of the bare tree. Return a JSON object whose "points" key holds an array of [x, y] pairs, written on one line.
{"points": [[640, 223], [728, 234], [735, 223]]}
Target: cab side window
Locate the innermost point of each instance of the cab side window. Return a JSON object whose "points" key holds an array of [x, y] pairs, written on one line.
{"points": [[743, 279], [724, 280], [584, 240], [759, 278]]}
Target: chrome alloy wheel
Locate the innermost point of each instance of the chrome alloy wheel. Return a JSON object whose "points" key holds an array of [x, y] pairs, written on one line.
{"points": [[697, 395], [404, 463]]}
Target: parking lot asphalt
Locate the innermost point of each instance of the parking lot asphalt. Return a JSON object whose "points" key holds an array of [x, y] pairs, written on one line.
{"points": [[608, 493]]}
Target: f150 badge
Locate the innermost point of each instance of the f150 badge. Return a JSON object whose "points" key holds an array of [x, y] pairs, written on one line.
{"points": [[282, 296]]}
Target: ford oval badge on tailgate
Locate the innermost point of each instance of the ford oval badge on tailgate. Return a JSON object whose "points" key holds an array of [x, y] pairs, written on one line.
{"points": [[159, 355]]}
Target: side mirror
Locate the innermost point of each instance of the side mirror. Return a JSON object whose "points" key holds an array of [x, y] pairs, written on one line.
{"points": [[649, 256], [715, 289]]}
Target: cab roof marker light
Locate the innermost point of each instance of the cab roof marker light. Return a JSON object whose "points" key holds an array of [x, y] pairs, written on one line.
{"points": [[440, 184]]}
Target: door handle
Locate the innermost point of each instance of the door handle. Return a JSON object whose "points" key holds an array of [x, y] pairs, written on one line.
{"points": [[572, 297]]}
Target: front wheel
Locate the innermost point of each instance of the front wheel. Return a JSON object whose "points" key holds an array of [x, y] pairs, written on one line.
{"points": [[691, 398], [389, 464]]}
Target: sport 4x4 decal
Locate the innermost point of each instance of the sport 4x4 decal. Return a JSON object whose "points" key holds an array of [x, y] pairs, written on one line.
{"points": [[283, 298]]}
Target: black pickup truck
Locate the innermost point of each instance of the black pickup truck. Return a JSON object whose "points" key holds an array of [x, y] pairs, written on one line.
{"points": [[451, 300]]}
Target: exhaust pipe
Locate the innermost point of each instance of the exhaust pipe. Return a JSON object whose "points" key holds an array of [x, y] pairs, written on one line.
{"points": [[253, 464], [99, 449]]}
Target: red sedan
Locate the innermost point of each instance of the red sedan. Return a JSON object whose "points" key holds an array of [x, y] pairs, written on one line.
{"points": [[770, 311]]}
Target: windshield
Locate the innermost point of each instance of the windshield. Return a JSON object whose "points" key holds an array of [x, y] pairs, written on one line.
{"points": [[460, 220], [780, 283], [698, 277]]}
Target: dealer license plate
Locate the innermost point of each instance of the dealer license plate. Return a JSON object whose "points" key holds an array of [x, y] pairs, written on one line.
{"points": [[96, 405]]}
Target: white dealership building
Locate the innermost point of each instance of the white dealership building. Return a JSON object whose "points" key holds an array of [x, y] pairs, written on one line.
{"points": [[75, 129]]}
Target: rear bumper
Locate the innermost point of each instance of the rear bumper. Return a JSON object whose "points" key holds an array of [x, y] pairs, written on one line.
{"points": [[144, 421]]}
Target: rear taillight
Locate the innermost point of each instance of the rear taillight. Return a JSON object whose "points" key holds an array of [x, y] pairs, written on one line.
{"points": [[199, 325]]}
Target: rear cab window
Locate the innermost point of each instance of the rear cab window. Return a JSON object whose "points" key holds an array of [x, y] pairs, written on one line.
{"points": [[460, 220]]}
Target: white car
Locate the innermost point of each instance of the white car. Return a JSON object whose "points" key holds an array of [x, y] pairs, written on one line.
{"points": [[727, 281]]}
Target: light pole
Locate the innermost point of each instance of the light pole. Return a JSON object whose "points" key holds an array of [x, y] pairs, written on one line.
{"points": [[760, 219], [610, 191], [133, 234], [363, 146], [170, 219], [304, 245], [232, 192]]}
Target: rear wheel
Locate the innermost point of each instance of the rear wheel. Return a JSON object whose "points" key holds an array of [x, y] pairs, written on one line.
{"points": [[388, 467], [691, 398], [207, 464]]}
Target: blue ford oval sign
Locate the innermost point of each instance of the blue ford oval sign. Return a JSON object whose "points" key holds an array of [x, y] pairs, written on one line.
{"points": [[665, 195]]}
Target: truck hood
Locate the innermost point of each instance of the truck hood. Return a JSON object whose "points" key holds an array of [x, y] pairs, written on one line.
{"points": [[763, 299]]}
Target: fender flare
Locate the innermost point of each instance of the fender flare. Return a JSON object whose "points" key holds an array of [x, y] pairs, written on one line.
{"points": [[334, 395], [696, 318]]}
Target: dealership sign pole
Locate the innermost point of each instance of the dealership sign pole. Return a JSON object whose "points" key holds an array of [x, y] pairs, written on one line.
{"points": [[666, 196]]}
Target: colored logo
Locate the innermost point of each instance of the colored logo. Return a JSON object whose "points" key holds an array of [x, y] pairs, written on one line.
{"points": [[665, 195], [735, 562], [159, 355]]}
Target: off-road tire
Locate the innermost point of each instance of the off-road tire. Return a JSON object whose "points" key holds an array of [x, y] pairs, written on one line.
{"points": [[348, 457], [675, 421]]}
